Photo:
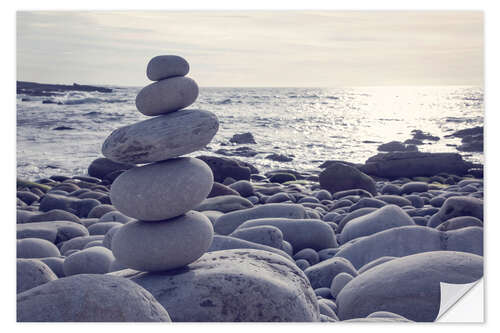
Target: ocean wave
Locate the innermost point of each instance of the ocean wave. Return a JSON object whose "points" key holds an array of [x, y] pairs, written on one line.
{"points": [[92, 100]]}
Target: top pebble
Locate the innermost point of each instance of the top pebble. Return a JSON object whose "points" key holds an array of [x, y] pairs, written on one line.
{"points": [[165, 66]]}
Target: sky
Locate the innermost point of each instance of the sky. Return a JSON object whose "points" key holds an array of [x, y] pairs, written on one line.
{"points": [[254, 48]]}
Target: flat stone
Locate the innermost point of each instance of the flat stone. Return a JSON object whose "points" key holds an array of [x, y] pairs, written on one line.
{"points": [[163, 245], [55, 264], [265, 235], [408, 240], [384, 218], [410, 164], [52, 231], [460, 222], [103, 166], [224, 203], [220, 243], [408, 286], [227, 223], [32, 273], [161, 138], [165, 66], [166, 96], [162, 190], [461, 206], [89, 298], [301, 233], [78, 243], [220, 287]]}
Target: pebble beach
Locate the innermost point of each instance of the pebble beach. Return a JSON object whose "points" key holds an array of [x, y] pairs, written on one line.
{"points": [[169, 222]]}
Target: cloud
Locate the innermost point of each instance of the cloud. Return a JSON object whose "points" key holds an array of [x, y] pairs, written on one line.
{"points": [[255, 48]]}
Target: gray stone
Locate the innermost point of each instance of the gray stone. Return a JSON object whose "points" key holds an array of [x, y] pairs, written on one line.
{"points": [[391, 189], [227, 223], [23, 216], [287, 247], [459, 222], [374, 263], [161, 138], [461, 206], [79, 207], [115, 216], [78, 243], [301, 233], [223, 167], [32, 273], [278, 197], [352, 215], [166, 96], [162, 190], [414, 187], [102, 167], [340, 177], [108, 237], [394, 200], [92, 260], [416, 201], [326, 310], [36, 248], [322, 274], [265, 235], [212, 215], [220, 287], [163, 245], [166, 66], [100, 210], [101, 228], [93, 243], [367, 202], [27, 197], [308, 254], [221, 243], [339, 282], [54, 215], [89, 298], [384, 218], [53, 231], [219, 189], [243, 187], [302, 264], [408, 240], [224, 203], [408, 286], [55, 264]]}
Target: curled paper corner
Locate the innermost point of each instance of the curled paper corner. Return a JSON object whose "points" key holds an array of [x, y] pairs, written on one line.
{"points": [[461, 304]]}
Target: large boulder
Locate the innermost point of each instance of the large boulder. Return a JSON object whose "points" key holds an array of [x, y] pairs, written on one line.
{"points": [[162, 137], [89, 298], [404, 241], [340, 177], [162, 190], [384, 218], [301, 233], [227, 223], [32, 273], [411, 164], [408, 286], [233, 286]]}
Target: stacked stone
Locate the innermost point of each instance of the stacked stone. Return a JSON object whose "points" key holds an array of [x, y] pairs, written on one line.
{"points": [[160, 194]]}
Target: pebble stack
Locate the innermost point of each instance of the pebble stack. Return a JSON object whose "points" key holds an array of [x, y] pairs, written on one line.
{"points": [[161, 193]]}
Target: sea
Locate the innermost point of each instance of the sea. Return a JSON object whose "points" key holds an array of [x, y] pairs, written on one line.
{"points": [[310, 125]]}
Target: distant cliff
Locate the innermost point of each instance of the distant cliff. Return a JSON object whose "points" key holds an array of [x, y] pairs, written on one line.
{"points": [[43, 89]]}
